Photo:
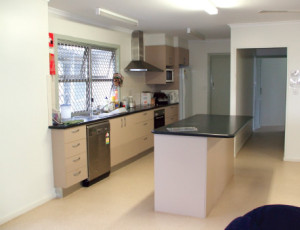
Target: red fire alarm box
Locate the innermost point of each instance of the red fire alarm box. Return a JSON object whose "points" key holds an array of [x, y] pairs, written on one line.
{"points": [[51, 40]]}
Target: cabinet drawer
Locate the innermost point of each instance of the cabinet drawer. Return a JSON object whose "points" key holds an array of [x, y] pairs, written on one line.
{"points": [[171, 119], [76, 176], [75, 147], [139, 117], [75, 133], [76, 162], [146, 142], [143, 128], [171, 110]]}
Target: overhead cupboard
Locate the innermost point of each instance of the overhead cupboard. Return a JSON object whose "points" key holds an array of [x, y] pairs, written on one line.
{"points": [[166, 58], [181, 56]]}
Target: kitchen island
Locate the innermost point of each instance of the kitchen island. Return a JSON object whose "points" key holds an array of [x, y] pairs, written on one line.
{"points": [[193, 162]]}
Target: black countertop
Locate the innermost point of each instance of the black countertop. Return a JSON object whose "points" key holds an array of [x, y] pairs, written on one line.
{"points": [[104, 116], [207, 125]]}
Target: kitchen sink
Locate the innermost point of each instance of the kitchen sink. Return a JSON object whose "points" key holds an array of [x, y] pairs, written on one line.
{"points": [[87, 117]]}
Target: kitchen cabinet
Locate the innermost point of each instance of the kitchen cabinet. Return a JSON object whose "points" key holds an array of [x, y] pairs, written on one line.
{"points": [[69, 156], [130, 135], [171, 114], [181, 56], [162, 57]]}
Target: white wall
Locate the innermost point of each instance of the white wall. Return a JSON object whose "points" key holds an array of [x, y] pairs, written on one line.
{"points": [[134, 83], [25, 143], [199, 63], [158, 39], [244, 82], [269, 35]]}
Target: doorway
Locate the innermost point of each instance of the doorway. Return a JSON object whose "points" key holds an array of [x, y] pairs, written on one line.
{"points": [[219, 72], [270, 91]]}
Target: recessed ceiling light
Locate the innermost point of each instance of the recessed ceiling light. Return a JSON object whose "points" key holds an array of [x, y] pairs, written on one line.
{"points": [[115, 16]]}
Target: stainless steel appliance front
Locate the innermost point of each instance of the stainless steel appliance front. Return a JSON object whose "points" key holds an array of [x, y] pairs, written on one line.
{"points": [[98, 152]]}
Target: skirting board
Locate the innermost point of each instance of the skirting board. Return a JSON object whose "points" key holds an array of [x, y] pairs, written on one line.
{"points": [[291, 159], [26, 208]]}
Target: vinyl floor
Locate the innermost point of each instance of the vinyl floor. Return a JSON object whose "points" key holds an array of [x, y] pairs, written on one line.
{"points": [[125, 199]]}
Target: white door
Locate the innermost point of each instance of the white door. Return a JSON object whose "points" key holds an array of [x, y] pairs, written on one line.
{"points": [[272, 72], [185, 93], [220, 84]]}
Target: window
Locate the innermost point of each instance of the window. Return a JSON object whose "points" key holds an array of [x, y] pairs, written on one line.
{"points": [[85, 74]]}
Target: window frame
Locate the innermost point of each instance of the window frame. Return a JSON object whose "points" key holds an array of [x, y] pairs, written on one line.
{"points": [[84, 42]]}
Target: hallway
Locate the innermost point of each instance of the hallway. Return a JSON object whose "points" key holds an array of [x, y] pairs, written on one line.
{"points": [[125, 199]]}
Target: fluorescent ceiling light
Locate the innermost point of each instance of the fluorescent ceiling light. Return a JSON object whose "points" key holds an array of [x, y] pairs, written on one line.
{"points": [[115, 16], [205, 5], [209, 8]]}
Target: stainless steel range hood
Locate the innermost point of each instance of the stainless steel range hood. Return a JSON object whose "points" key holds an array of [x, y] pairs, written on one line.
{"points": [[137, 54]]}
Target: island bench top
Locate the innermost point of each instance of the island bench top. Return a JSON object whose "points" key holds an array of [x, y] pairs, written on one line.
{"points": [[206, 125]]}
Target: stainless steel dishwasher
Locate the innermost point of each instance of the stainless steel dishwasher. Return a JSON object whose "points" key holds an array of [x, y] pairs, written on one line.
{"points": [[98, 152]]}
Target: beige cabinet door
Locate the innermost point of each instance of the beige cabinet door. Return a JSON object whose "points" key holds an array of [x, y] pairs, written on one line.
{"points": [[117, 139], [169, 56], [130, 135], [118, 127]]}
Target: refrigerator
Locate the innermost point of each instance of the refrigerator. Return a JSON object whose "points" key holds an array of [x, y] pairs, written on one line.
{"points": [[185, 93]]}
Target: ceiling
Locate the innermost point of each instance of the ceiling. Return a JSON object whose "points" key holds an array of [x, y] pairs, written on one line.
{"points": [[160, 16]]}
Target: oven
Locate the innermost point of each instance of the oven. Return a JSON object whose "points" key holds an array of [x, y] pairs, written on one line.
{"points": [[159, 118]]}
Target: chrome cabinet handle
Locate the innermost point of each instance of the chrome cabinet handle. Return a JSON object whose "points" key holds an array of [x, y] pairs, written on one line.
{"points": [[124, 121], [77, 173], [145, 124], [75, 146], [145, 114], [75, 131], [75, 160], [145, 138], [121, 122]]}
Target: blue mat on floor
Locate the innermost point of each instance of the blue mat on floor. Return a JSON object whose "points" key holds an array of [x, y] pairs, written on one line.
{"points": [[269, 217]]}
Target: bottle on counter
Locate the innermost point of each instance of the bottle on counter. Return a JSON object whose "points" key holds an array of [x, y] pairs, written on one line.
{"points": [[106, 105], [111, 106], [125, 102], [131, 102]]}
